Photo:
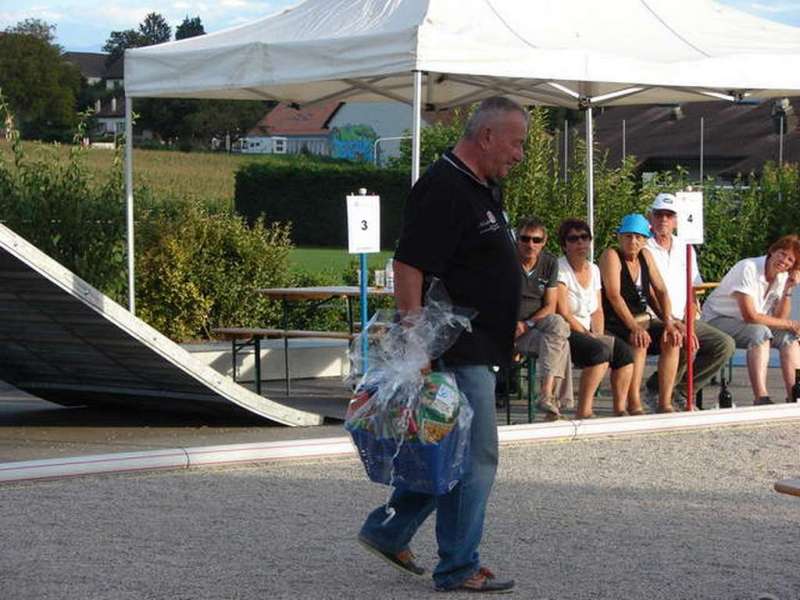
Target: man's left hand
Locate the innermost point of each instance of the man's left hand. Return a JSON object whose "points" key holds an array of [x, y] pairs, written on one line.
{"points": [[695, 343]]}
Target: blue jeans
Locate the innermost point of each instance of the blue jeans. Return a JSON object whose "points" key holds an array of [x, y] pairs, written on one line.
{"points": [[459, 513]]}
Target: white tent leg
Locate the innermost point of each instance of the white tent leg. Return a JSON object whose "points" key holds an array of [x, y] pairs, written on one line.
{"points": [[590, 176], [129, 200], [416, 127]]}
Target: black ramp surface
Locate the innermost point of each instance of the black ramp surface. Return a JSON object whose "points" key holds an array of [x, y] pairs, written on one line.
{"points": [[64, 341]]}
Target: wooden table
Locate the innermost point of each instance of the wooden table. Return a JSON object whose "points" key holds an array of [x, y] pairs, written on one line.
{"points": [[321, 294]]}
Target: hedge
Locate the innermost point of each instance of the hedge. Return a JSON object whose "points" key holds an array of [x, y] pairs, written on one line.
{"points": [[310, 194]]}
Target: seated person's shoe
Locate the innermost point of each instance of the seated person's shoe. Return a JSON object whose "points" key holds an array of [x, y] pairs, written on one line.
{"points": [[550, 410], [483, 581], [762, 401], [403, 560]]}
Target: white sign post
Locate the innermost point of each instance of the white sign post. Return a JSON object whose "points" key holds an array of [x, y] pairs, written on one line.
{"points": [[690, 231], [363, 224], [690, 217], [363, 236]]}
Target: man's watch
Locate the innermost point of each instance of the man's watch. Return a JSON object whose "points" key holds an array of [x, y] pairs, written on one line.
{"points": [[530, 323]]}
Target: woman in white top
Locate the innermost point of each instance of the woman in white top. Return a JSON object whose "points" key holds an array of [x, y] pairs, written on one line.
{"points": [[579, 304], [752, 304]]}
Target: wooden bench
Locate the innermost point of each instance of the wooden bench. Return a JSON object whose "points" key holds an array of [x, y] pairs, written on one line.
{"points": [[252, 336], [788, 486]]}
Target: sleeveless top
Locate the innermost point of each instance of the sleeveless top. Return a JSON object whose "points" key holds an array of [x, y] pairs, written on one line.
{"points": [[635, 297]]}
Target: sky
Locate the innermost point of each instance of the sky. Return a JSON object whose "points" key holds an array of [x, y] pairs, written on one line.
{"points": [[84, 25]]}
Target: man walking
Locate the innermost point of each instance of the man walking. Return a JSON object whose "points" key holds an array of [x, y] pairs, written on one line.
{"points": [[669, 252], [455, 229]]}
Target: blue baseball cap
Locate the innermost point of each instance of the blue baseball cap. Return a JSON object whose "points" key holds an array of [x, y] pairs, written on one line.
{"points": [[635, 223]]}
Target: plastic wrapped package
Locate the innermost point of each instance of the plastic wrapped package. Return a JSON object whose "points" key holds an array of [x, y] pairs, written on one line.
{"points": [[410, 425]]}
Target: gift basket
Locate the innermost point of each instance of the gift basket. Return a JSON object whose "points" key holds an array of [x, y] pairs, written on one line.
{"points": [[409, 424]]}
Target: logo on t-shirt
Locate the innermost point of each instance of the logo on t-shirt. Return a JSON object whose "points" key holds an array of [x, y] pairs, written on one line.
{"points": [[489, 224]]}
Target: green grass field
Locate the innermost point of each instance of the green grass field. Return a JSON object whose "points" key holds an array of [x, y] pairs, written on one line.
{"points": [[202, 176], [317, 260]]}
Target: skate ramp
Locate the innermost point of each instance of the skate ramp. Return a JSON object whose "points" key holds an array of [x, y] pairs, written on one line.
{"points": [[65, 342]]}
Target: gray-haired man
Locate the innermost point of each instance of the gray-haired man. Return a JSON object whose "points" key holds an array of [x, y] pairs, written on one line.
{"points": [[455, 228], [669, 252]]}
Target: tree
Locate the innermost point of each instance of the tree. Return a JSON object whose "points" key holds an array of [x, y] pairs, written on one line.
{"points": [[195, 122], [41, 87], [216, 118], [35, 27], [119, 41], [153, 30], [189, 28]]}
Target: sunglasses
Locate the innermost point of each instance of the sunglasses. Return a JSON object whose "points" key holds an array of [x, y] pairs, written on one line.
{"points": [[536, 239], [583, 237]]}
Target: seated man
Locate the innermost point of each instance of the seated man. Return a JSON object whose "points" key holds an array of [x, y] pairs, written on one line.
{"points": [[540, 331], [713, 347]]}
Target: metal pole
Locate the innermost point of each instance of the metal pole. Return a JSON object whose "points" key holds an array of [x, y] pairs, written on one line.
{"points": [[624, 149], [566, 150], [386, 139], [129, 200], [702, 148], [364, 271], [689, 318], [416, 127], [590, 176]]}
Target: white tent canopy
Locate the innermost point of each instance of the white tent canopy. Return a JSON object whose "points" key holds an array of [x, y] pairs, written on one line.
{"points": [[442, 53], [367, 50]]}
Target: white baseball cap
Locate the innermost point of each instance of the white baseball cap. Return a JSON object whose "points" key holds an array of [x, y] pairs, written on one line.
{"points": [[665, 202]]}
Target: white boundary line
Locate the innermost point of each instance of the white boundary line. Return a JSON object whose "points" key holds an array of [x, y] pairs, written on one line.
{"points": [[333, 447]]}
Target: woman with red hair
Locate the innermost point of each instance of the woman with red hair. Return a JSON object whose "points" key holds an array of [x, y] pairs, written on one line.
{"points": [[753, 303]]}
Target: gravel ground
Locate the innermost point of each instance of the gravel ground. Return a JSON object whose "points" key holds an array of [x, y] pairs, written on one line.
{"points": [[690, 515]]}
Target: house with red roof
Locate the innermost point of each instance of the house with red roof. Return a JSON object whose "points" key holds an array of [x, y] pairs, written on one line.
{"points": [[351, 130], [288, 130]]}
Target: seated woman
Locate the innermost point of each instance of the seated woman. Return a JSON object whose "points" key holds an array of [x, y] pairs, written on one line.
{"points": [[752, 305], [579, 303], [638, 311]]}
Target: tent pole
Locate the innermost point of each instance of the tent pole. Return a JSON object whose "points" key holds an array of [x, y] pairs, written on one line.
{"points": [[590, 175], [624, 149], [416, 127], [129, 199]]}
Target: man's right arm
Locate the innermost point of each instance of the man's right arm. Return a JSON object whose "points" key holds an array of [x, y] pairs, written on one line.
{"points": [[407, 287]]}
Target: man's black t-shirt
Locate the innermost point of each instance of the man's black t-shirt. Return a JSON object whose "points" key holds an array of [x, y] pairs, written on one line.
{"points": [[454, 228]]}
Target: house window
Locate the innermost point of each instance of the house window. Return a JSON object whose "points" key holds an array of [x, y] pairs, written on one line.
{"points": [[279, 145]]}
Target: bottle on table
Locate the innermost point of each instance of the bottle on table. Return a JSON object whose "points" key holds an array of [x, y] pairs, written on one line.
{"points": [[725, 399], [390, 275]]}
